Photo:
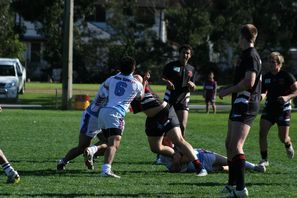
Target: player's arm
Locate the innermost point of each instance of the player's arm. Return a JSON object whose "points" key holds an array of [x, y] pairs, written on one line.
{"points": [[168, 83], [191, 86], [246, 83], [293, 93]]}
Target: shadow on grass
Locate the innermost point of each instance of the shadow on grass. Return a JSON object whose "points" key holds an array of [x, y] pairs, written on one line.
{"points": [[54, 194], [52, 172]]}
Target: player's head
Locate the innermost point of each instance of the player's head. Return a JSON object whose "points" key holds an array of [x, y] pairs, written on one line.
{"points": [[277, 57], [276, 62], [127, 66], [210, 75], [249, 32], [185, 53], [185, 47]]}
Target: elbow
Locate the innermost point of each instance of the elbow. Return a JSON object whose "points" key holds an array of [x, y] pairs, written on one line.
{"points": [[249, 84]]}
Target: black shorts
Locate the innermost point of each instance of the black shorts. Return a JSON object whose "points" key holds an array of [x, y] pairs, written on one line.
{"points": [[281, 118], [179, 101], [244, 113], [209, 100], [160, 124], [111, 132]]}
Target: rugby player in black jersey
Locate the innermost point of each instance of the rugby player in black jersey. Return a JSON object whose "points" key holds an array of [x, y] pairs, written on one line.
{"points": [[162, 120], [279, 87], [179, 78], [246, 94]]}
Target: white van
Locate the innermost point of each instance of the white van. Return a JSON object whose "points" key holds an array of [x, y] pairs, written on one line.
{"points": [[12, 78]]}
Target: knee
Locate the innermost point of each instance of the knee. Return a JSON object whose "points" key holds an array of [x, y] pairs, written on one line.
{"points": [[156, 149]]}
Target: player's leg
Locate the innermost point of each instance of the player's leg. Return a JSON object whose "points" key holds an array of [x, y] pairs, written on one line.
{"points": [[95, 149], [283, 134], [214, 107], [176, 137], [84, 142], [265, 126], [156, 146], [113, 145], [206, 106], [12, 175], [235, 153], [182, 116]]}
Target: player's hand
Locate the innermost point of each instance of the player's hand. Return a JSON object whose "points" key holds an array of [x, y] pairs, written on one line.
{"points": [[170, 85], [282, 99], [223, 92], [191, 86]]}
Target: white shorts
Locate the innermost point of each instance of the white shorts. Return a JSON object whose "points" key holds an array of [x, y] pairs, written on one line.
{"points": [[89, 125], [110, 118]]}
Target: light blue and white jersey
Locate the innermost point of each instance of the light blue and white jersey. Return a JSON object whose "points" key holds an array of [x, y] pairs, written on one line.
{"points": [[206, 158], [121, 91], [99, 101]]}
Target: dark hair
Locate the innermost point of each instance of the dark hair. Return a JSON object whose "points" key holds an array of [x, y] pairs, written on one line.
{"points": [[186, 47], [249, 32], [127, 65]]}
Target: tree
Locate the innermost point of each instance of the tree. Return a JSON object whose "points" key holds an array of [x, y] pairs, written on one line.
{"points": [[48, 16], [189, 22], [10, 46], [133, 36]]}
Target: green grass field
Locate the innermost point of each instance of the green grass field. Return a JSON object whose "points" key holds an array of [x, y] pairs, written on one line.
{"points": [[34, 140], [49, 95]]}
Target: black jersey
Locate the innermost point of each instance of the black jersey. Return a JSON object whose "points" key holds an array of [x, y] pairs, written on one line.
{"points": [[149, 101], [179, 75], [277, 85], [249, 61]]}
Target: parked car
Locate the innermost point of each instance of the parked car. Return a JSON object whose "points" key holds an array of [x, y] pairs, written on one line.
{"points": [[12, 78]]}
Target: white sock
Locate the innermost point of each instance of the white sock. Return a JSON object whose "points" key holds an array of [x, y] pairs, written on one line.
{"points": [[106, 168], [93, 148], [7, 168], [249, 165]]}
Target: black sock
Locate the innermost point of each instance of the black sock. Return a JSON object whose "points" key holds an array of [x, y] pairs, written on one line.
{"points": [[231, 174], [264, 154], [287, 145], [238, 162]]}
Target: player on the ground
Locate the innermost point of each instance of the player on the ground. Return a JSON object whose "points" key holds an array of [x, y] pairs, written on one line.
{"points": [[12, 175], [280, 87], [210, 160]]}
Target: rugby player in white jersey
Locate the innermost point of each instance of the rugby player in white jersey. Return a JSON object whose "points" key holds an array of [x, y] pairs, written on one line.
{"points": [[210, 160], [122, 89], [88, 130]]}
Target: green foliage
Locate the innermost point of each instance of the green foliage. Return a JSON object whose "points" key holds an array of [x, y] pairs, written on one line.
{"points": [[33, 140], [10, 46]]}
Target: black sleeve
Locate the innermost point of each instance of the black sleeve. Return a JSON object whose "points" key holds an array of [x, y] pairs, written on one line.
{"points": [[291, 79], [251, 64], [166, 72]]}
